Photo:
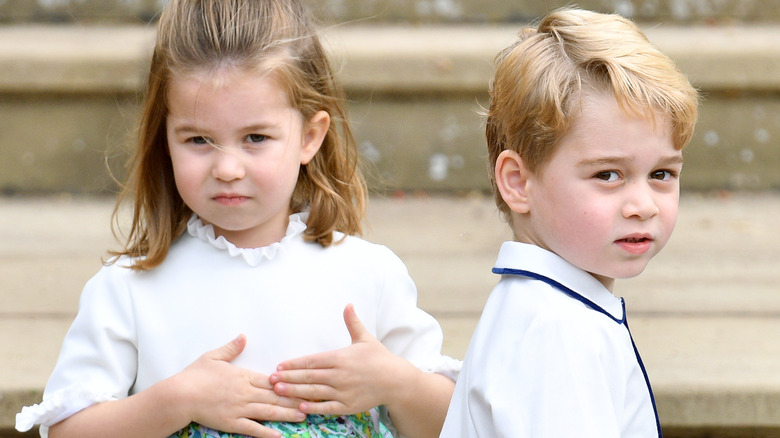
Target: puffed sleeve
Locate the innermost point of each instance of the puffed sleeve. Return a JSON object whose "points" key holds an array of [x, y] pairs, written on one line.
{"points": [[404, 328], [98, 359]]}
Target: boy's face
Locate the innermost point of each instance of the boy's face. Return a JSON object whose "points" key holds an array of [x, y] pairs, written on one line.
{"points": [[607, 200]]}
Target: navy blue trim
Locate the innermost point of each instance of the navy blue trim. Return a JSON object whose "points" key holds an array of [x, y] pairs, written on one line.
{"points": [[562, 288], [596, 307], [644, 373]]}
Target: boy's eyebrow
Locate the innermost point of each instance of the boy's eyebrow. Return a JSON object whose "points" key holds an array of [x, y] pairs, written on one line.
{"points": [[614, 160]]}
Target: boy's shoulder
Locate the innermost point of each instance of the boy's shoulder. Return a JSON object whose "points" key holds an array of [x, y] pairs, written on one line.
{"points": [[542, 305], [540, 290], [538, 320]]}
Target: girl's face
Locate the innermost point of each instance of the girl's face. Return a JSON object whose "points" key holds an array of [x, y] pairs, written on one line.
{"points": [[607, 200], [237, 146]]}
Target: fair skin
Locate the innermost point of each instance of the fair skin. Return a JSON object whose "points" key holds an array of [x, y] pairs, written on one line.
{"points": [[243, 188], [236, 146], [210, 391], [606, 201], [417, 401]]}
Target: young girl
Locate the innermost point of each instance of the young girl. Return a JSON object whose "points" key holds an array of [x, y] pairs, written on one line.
{"points": [[239, 259]]}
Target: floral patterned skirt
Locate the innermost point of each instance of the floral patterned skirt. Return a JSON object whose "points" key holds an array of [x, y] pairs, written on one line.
{"points": [[363, 425]]}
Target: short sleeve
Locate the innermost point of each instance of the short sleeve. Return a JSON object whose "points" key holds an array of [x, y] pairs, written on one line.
{"points": [[560, 379], [98, 358], [404, 328]]}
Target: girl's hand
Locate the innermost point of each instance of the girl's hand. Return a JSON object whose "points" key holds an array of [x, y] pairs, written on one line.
{"points": [[345, 381], [222, 396]]}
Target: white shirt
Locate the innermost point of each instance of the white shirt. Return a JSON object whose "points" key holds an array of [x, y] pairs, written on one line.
{"points": [[551, 357], [134, 329]]}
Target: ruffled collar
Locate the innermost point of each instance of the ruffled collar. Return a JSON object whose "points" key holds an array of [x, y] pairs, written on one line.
{"points": [[253, 256]]}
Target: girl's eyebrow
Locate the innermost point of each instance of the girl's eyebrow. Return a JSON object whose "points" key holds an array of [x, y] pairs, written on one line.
{"points": [[191, 128], [185, 129]]}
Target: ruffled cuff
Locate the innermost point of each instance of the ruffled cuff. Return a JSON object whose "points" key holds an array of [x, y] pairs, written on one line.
{"points": [[57, 407], [446, 366]]}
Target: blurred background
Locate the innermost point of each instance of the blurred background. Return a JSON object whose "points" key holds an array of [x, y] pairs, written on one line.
{"points": [[71, 73], [706, 313]]}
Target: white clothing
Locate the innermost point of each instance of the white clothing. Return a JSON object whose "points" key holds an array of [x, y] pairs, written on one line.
{"points": [[134, 329], [546, 361]]}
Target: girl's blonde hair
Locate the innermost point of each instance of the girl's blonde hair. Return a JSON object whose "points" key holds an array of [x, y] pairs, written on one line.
{"points": [[255, 35], [540, 79]]}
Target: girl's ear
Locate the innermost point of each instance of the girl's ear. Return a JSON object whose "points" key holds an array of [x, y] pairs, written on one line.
{"points": [[313, 135], [512, 181]]}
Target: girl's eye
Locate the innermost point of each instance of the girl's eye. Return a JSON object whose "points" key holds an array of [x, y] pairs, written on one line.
{"points": [[607, 176], [663, 175], [199, 140], [255, 138]]}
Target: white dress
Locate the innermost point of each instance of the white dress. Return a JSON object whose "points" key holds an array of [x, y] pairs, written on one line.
{"points": [[134, 329], [551, 357]]}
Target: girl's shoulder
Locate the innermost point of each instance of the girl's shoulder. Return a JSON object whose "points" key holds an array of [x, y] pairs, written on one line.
{"points": [[357, 252], [115, 272], [359, 246]]}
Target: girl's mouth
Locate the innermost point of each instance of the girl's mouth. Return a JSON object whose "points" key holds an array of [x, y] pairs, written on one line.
{"points": [[230, 200]]}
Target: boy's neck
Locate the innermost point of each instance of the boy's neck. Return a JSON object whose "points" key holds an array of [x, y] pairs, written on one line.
{"points": [[522, 236]]}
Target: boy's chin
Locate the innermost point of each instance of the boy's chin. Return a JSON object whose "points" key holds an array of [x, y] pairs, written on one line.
{"points": [[608, 278]]}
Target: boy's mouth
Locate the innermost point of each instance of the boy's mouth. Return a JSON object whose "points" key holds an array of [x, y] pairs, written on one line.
{"points": [[634, 239], [636, 245]]}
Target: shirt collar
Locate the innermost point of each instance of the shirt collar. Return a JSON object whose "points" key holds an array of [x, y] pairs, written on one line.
{"points": [[539, 263], [253, 256]]}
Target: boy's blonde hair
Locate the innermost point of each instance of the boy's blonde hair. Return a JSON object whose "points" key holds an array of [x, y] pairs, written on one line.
{"points": [[540, 79], [254, 35]]}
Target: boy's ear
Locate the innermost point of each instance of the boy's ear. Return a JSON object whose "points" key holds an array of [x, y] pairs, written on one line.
{"points": [[512, 181], [313, 135]]}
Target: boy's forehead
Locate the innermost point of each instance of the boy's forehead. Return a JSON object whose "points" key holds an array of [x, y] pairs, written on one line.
{"points": [[602, 127], [592, 103]]}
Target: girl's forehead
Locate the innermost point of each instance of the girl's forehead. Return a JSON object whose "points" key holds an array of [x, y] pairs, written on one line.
{"points": [[273, 62], [222, 75], [206, 83]]}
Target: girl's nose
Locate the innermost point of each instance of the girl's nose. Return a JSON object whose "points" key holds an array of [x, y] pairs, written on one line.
{"points": [[640, 202], [228, 166]]}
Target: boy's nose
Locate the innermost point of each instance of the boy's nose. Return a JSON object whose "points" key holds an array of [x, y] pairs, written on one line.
{"points": [[640, 202], [228, 166]]}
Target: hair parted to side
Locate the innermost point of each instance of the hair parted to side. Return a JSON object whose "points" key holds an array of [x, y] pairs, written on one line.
{"points": [[540, 79], [275, 36]]}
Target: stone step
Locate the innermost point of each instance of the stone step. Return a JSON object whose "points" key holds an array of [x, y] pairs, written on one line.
{"points": [[69, 102], [704, 313], [418, 11]]}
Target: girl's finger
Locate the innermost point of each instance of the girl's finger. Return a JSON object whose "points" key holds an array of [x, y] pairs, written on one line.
{"points": [[357, 331], [252, 428], [315, 361], [305, 376], [306, 392], [229, 351], [266, 412], [330, 407], [260, 381]]}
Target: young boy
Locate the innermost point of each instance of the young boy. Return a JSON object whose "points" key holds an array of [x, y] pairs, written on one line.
{"points": [[585, 131]]}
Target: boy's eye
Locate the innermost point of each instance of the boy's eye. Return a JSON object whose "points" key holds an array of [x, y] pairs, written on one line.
{"points": [[663, 175], [607, 176], [255, 138]]}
